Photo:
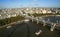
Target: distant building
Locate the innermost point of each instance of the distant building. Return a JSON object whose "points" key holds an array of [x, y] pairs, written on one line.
{"points": [[44, 11]]}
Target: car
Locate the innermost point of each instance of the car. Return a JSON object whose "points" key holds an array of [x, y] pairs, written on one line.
{"points": [[8, 27]]}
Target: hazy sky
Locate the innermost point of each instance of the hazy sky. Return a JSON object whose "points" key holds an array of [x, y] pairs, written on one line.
{"points": [[29, 3]]}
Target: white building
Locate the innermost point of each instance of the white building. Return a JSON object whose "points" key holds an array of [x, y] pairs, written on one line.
{"points": [[44, 11]]}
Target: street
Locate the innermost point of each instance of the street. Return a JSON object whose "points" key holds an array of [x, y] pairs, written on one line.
{"points": [[28, 29]]}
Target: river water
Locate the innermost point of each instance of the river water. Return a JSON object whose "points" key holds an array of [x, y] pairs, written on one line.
{"points": [[53, 19]]}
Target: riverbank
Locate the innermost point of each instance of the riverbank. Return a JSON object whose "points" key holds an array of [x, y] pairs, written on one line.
{"points": [[23, 20]]}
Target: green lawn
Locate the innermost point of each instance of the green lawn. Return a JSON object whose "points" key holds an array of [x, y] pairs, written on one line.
{"points": [[9, 20]]}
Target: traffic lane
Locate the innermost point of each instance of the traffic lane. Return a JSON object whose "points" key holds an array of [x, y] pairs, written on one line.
{"points": [[8, 31], [20, 30], [26, 30]]}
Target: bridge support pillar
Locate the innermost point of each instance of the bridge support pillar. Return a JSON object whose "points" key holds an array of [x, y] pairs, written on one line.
{"points": [[44, 24], [32, 20], [52, 27], [37, 21]]}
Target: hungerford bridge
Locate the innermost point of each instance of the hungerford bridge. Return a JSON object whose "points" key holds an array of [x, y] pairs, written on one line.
{"points": [[41, 19]]}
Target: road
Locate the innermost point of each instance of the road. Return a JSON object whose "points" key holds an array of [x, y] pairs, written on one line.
{"points": [[28, 29]]}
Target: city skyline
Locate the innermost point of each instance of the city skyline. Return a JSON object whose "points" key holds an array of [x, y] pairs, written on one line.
{"points": [[29, 3]]}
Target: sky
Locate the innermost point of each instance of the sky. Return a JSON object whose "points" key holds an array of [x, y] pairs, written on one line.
{"points": [[29, 3]]}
